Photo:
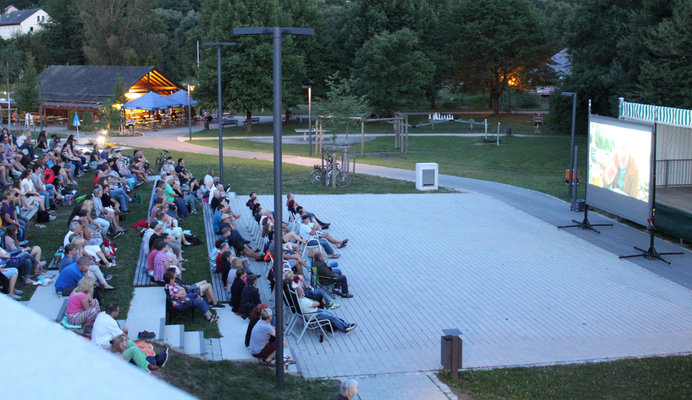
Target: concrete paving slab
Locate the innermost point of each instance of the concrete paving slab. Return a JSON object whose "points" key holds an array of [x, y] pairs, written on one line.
{"points": [[412, 386], [521, 291], [45, 301], [146, 310]]}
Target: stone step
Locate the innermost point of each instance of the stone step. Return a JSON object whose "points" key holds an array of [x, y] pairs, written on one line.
{"points": [[174, 336], [147, 309], [194, 343], [213, 349]]}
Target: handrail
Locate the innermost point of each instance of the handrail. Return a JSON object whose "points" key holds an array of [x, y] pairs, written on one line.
{"points": [[674, 172]]}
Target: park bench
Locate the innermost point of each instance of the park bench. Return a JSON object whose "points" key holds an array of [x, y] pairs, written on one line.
{"points": [[230, 122]]}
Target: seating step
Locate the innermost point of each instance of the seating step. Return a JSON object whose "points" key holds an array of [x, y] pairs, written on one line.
{"points": [[194, 343], [174, 336], [213, 349]]}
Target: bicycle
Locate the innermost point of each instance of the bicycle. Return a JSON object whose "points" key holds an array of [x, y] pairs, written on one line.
{"points": [[161, 159], [319, 174]]}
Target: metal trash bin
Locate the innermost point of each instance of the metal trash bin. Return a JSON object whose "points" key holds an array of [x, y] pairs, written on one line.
{"points": [[450, 351]]}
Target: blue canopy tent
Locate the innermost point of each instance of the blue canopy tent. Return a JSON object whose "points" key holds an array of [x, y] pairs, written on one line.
{"points": [[152, 101], [180, 97]]}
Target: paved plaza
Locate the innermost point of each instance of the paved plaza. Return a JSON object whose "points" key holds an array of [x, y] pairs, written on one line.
{"points": [[521, 291]]}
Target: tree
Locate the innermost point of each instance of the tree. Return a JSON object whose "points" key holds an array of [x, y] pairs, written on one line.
{"points": [[391, 73], [364, 19], [602, 39], [62, 37], [27, 92], [340, 104], [665, 77], [495, 42], [247, 68], [183, 30], [119, 91], [132, 59], [114, 27]]}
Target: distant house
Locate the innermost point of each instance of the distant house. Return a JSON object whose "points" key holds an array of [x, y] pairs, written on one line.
{"points": [[66, 88], [14, 22], [561, 66]]}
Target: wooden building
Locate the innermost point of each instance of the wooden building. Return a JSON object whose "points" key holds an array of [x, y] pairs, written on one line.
{"points": [[85, 88]]}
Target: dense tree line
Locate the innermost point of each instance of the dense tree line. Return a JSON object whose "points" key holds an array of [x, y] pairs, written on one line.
{"points": [[636, 49], [394, 54]]}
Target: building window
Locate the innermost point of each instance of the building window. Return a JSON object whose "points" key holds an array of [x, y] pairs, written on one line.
{"points": [[38, 18], [31, 29]]}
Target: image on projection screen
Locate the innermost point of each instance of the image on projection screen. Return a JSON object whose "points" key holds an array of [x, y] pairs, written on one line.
{"points": [[619, 167]]}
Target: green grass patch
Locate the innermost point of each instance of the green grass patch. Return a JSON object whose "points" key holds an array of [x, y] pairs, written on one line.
{"points": [[239, 381], [645, 378], [245, 175], [536, 163]]}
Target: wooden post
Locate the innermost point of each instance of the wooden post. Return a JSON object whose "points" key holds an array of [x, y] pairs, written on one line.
{"points": [[403, 133], [396, 132], [333, 154], [406, 129], [362, 136]]}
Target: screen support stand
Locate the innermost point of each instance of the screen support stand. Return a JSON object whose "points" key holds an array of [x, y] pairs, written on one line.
{"points": [[652, 253], [585, 224]]}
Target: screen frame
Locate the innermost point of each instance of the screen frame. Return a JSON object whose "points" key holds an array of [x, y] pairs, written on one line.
{"points": [[624, 206]]}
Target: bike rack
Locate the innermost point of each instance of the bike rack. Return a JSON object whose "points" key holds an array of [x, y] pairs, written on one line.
{"points": [[332, 151]]}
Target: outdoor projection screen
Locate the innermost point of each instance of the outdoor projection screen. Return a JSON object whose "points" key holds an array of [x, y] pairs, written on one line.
{"points": [[620, 159]]}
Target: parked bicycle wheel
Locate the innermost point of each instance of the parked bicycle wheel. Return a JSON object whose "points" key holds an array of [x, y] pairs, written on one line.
{"points": [[317, 177], [159, 163], [343, 179]]}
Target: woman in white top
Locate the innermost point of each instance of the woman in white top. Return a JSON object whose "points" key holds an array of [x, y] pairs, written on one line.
{"points": [[29, 190]]}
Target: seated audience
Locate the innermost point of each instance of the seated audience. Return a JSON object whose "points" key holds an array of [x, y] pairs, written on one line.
{"points": [[263, 339], [308, 231], [181, 300], [82, 308], [131, 353], [250, 296], [329, 274], [106, 327], [237, 289], [309, 306]]}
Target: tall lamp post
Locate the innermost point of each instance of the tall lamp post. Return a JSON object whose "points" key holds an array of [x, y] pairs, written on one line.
{"points": [[309, 88], [189, 109], [218, 77], [278, 263], [572, 167]]}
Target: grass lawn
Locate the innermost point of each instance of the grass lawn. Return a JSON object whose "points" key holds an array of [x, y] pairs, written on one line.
{"points": [[239, 381], [536, 163], [646, 378], [246, 175], [520, 124]]}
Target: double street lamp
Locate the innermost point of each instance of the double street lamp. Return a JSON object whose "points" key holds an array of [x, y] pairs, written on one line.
{"points": [[276, 33]]}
